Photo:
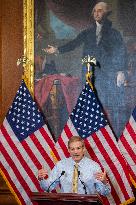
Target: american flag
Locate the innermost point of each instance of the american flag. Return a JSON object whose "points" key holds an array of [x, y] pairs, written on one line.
{"points": [[88, 121], [25, 145], [127, 145]]}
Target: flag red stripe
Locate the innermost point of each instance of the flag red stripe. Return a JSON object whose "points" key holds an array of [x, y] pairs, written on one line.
{"points": [[128, 148], [15, 170], [12, 184], [95, 158], [49, 141], [110, 164], [63, 146], [61, 142], [20, 158], [109, 161], [132, 173], [90, 150], [68, 131], [42, 151], [116, 151], [131, 131], [31, 155], [130, 153]]}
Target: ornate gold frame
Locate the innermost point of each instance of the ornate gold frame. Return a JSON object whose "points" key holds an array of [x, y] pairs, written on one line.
{"points": [[28, 16]]}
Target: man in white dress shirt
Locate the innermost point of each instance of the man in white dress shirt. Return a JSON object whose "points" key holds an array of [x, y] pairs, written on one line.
{"points": [[90, 180]]}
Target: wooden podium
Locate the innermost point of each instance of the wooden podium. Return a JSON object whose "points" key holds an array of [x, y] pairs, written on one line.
{"points": [[65, 199]]}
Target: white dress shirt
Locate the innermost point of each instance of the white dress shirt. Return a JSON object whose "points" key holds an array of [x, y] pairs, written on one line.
{"points": [[98, 32], [87, 168]]}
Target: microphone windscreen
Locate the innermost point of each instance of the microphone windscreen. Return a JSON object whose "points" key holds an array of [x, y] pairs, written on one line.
{"points": [[62, 173]]}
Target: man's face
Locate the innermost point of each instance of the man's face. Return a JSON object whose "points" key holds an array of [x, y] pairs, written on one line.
{"points": [[76, 151], [99, 13]]}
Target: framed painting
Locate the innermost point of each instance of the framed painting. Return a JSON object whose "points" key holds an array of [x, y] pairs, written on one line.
{"points": [[56, 78]]}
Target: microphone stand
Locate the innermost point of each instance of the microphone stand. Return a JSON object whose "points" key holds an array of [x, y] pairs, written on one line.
{"points": [[84, 186], [62, 173]]}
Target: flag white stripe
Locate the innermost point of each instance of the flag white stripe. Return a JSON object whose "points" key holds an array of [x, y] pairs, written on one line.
{"points": [[115, 160], [72, 128], [44, 142], [125, 180], [21, 149], [110, 133], [127, 157], [14, 179], [17, 163], [10, 132], [26, 157], [106, 166], [37, 153], [47, 131], [24, 153], [117, 144], [65, 139], [59, 148], [102, 160], [129, 139], [126, 151]]}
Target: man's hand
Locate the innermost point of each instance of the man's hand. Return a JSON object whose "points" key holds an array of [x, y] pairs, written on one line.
{"points": [[50, 49], [101, 176], [42, 173]]}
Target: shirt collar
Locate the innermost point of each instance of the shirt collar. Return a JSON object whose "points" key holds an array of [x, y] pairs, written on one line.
{"points": [[98, 24], [79, 163]]}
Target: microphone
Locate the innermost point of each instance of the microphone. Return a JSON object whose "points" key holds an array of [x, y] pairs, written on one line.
{"points": [[62, 173], [84, 186]]}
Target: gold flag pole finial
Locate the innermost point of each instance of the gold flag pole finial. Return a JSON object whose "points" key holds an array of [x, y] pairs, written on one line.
{"points": [[25, 62], [90, 62]]}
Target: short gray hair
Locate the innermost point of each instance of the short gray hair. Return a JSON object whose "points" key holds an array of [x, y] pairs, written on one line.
{"points": [[106, 8], [76, 139]]}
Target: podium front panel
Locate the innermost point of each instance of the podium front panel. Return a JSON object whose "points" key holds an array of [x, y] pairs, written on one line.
{"points": [[65, 199]]}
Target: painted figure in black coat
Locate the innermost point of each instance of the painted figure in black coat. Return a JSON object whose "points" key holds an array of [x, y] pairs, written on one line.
{"points": [[105, 43]]}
